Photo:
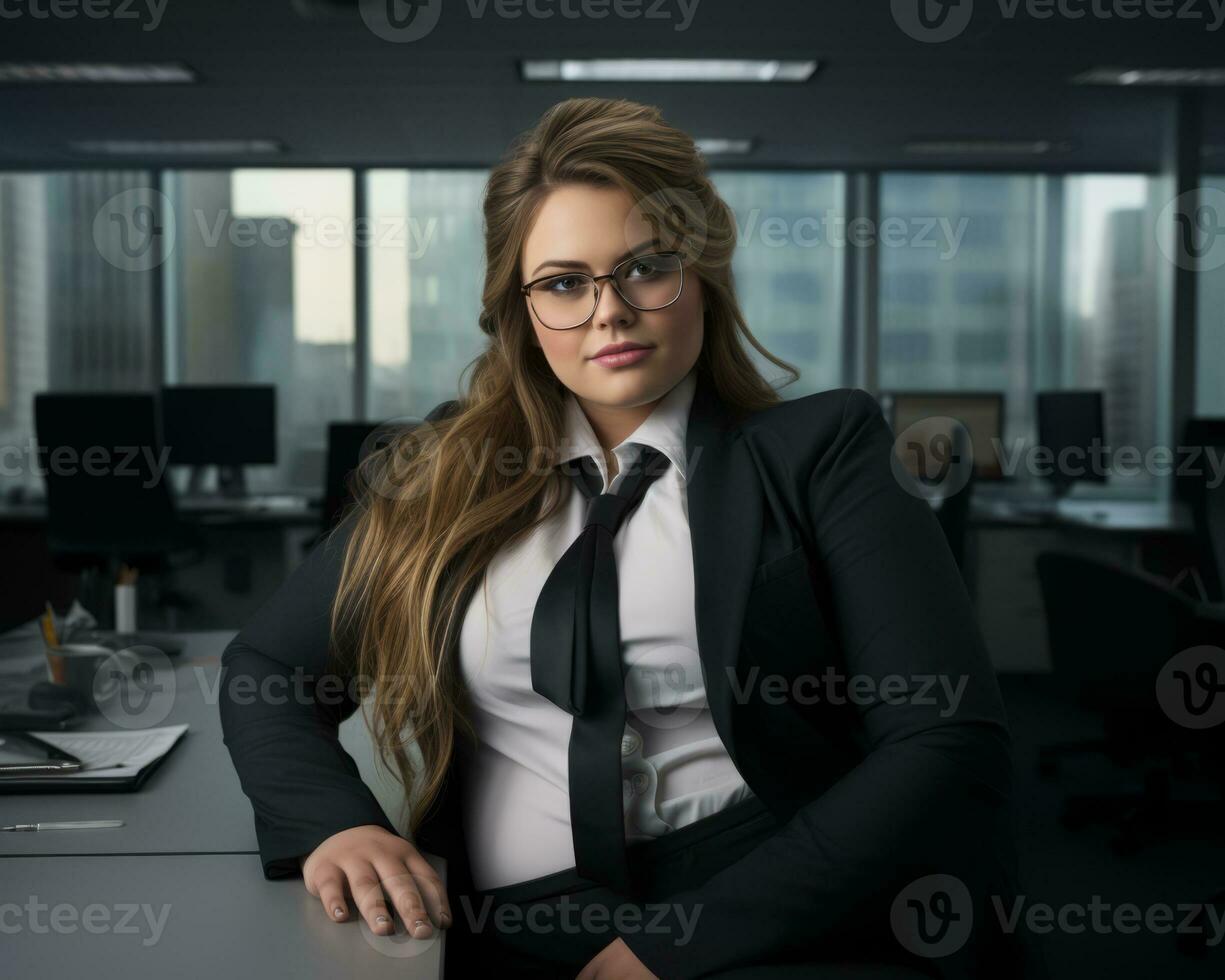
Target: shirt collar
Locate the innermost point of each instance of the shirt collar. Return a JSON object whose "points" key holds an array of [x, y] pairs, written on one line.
{"points": [[664, 429]]}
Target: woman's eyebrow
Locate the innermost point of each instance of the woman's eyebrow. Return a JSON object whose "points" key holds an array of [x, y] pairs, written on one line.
{"points": [[574, 264]]}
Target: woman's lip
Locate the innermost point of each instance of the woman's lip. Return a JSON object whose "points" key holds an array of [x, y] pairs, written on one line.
{"points": [[624, 357]]}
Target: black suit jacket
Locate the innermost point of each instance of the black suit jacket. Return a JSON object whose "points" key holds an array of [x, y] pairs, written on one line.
{"points": [[828, 609]]}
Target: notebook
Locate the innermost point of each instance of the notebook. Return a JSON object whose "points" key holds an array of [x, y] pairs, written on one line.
{"points": [[113, 760]]}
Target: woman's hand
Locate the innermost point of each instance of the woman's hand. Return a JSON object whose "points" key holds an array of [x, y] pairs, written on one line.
{"points": [[616, 961], [371, 863]]}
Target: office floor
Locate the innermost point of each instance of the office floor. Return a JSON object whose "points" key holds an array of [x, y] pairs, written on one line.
{"points": [[1062, 867]]}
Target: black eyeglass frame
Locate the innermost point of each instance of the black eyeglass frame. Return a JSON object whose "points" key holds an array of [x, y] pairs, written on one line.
{"points": [[526, 288]]}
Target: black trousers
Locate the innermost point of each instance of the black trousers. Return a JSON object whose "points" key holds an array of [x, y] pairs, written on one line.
{"points": [[552, 926]]}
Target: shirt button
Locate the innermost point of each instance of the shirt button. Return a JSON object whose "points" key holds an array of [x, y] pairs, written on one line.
{"points": [[630, 742]]}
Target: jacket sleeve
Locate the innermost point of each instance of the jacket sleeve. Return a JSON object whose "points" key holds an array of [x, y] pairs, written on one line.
{"points": [[929, 793], [282, 697]]}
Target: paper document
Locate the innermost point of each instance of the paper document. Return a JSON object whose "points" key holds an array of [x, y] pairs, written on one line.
{"points": [[117, 754]]}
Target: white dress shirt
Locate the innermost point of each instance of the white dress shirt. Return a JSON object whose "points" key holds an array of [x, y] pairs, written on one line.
{"points": [[676, 769]]}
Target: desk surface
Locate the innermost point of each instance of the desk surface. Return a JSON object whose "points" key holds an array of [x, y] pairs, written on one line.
{"points": [[1120, 516], [255, 509], [192, 802], [187, 915], [179, 890]]}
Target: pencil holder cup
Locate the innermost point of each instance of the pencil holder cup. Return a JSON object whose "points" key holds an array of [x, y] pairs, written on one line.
{"points": [[84, 668]]}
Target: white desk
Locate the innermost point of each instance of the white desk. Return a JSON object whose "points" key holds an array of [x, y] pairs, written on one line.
{"points": [[192, 803], [186, 863], [186, 915]]}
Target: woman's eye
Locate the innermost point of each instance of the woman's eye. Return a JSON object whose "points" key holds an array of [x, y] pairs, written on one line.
{"points": [[563, 285]]}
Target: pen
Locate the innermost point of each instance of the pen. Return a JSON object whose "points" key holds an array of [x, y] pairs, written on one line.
{"points": [[65, 825]]}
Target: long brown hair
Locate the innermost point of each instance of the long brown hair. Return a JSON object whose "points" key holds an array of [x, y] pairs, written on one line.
{"points": [[433, 510]]}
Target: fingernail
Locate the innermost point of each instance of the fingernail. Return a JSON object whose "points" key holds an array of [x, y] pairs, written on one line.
{"points": [[419, 924], [446, 918], [338, 912], [380, 919]]}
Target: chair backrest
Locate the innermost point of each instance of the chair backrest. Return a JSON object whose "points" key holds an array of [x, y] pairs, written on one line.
{"points": [[108, 492], [345, 441], [348, 442], [954, 513], [1211, 532], [1110, 629], [1199, 487]]}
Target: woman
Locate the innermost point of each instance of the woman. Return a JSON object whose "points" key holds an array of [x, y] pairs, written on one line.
{"points": [[643, 641]]}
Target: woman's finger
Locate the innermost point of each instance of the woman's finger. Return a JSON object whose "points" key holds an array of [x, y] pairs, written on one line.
{"points": [[368, 897], [401, 888], [431, 889], [330, 887]]}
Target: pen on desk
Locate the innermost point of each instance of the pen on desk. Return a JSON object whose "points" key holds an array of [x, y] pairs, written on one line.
{"points": [[65, 825]]}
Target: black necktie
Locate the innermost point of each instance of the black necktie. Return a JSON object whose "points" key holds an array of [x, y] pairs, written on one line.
{"points": [[576, 664]]}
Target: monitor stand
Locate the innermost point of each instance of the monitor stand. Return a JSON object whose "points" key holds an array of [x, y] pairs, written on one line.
{"points": [[231, 481]]}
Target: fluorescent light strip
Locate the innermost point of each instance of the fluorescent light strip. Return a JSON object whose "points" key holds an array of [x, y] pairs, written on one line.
{"points": [[723, 146], [50, 73], [955, 147], [175, 148], [665, 70], [1151, 76]]}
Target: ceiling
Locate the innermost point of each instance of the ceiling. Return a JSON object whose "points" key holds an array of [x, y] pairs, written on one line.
{"points": [[311, 75]]}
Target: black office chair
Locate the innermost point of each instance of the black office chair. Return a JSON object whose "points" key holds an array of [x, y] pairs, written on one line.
{"points": [[106, 503], [345, 442], [1207, 503], [954, 512], [1111, 631]]}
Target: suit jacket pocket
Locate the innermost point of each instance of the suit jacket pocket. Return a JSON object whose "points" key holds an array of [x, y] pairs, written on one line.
{"points": [[784, 628], [780, 567]]}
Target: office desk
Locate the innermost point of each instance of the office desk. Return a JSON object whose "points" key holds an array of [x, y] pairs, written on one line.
{"points": [[191, 803], [1115, 516], [187, 915], [187, 851], [1144, 535], [280, 509]]}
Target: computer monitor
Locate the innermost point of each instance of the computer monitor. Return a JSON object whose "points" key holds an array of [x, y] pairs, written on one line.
{"points": [[101, 459], [980, 412], [228, 426], [1072, 428]]}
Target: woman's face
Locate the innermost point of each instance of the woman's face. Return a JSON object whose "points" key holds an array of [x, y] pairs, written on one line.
{"points": [[595, 228]]}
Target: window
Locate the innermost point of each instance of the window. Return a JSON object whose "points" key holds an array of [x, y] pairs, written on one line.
{"points": [[76, 311], [1021, 283], [788, 270], [260, 289], [426, 275], [1210, 329]]}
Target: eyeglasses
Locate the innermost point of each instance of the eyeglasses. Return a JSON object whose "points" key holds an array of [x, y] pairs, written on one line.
{"points": [[646, 282]]}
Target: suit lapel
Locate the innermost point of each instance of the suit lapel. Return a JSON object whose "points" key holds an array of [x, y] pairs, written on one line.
{"points": [[725, 518]]}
